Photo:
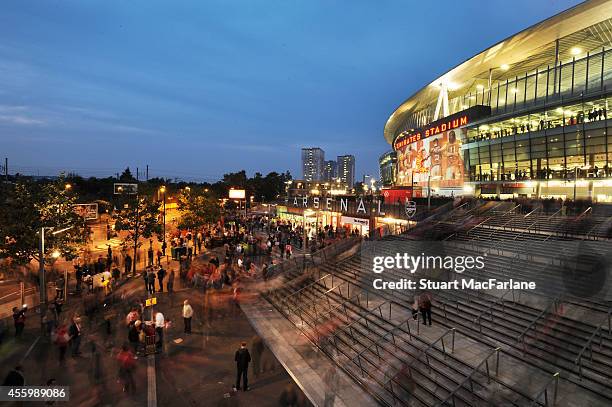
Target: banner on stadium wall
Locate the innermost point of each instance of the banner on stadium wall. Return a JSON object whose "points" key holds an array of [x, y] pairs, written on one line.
{"points": [[431, 156]]}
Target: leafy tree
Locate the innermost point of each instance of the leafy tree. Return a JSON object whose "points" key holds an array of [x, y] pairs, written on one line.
{"points": [[197, 210], [27, 207], [126, 176], [140, 218]]}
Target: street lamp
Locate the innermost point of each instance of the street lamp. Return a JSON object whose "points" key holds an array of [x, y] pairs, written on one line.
{"points": [[41, 264], [163, 191], [67, 186]]}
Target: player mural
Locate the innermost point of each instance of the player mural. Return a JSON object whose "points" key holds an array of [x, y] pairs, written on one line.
{"points": [[439, 155]]}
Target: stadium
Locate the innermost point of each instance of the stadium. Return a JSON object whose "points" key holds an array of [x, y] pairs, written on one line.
{"points": [[523, 120], [525, 117]]}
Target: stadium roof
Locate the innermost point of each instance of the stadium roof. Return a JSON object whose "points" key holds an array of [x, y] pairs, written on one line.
{"points": [[587, 25]]}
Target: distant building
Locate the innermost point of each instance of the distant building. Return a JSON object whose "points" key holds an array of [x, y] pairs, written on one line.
{"points": [[313, 160], [370, 181], [346, 169], [388, 168], [330, 170]]}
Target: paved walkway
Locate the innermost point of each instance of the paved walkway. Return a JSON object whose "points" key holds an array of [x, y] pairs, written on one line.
{"points": [[308, 368]]}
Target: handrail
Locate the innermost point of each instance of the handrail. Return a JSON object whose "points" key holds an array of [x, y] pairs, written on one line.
{"points": [[490, 217], [395, 328], [440, 338], [485, 361], [521, 337], [368, 312], [528, 227], [589, 342], [589, 209], [305, 287], [551, 216], [597, 225], [544, 392], [490, 308], [324, 295]]}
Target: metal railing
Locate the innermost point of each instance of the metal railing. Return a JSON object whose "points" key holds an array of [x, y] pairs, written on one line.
{"points": [[589, 343], [469, 379], [521, 338], [489, 309], [544, 392]]}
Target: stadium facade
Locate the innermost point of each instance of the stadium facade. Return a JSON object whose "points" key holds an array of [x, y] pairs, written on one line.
{"points": [[525, 117]]}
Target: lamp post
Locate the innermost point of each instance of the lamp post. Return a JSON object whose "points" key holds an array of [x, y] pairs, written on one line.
{"points": [[163, 191], [41, 265]]}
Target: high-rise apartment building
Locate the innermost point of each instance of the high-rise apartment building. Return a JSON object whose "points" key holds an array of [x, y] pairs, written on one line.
{"points": [[313, 159], [330, 170], [346, 169]]}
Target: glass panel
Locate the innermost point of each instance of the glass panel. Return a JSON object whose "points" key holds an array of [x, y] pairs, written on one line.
{"points": [[566, 79], [594, 73], [541, 87], [608, 69], [579, 76]]}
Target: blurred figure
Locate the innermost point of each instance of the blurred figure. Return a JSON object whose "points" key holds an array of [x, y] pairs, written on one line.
{"points": [[258, 348], [125, 358], [15, 377], [288, 397], [242, 359], [187, 315], [425, 308]]}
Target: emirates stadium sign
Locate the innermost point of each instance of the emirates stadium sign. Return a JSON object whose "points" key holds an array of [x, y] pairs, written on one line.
{"points": [[454, 121]]}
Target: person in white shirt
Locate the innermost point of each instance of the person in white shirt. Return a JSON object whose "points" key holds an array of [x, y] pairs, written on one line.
{"points": [[160, 322], [187, 315]]}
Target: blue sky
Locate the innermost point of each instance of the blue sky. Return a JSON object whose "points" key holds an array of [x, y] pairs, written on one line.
{"points": [[200, 88]]}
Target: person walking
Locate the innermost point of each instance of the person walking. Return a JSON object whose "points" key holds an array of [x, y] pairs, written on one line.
{"points": [[425, 308], [125, 359], [61, 338], [134, 335], [170, 283], [19, 320], [160, 323], [75, 335], [242, 359], [161, 273], [187, 315], [151, 281], [127, 264], [150, 253]]}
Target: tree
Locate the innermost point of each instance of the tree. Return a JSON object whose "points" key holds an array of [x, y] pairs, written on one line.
{"points": [[140, 218], [29, 206], [126, 176], [197, 210]]}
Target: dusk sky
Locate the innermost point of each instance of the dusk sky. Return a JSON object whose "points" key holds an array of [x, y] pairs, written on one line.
{"points": [[196, 89]]}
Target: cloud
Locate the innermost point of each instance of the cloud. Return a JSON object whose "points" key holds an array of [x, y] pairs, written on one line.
{"points": [[19, 119]]}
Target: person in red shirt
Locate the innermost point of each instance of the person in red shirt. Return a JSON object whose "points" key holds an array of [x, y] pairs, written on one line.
{"points": [[125, 359]]}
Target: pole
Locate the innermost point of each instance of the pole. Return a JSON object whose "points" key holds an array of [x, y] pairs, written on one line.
{"points": [[22, 292], [304, 230], [164, 215], [6, 168], [41, 275], [65, 286], [429, 191], [575, 178], [136, 236]]}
